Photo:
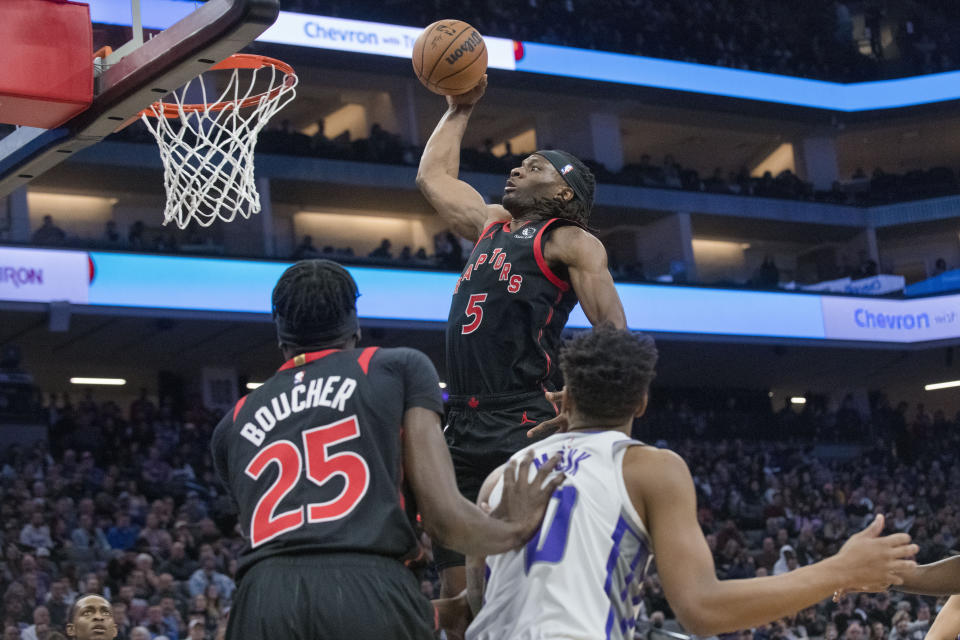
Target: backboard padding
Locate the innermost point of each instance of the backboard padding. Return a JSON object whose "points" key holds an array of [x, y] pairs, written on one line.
{"points": [[167, 61]]}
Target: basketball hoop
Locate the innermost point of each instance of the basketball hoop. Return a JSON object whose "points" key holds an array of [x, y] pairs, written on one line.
{"points": [[207, 148]]}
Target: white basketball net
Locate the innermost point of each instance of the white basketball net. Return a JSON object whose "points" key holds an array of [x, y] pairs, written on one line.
{"points": [[207, 154]]}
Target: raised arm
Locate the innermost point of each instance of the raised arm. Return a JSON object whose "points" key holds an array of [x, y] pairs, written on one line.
{"points": [[451, 519], [946, 626], [586, 260], [661, 488], [459, 204]]}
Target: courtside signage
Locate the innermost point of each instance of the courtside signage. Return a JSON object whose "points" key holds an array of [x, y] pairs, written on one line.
{"points": [[28, 275], [244, 286], [357, 36]]}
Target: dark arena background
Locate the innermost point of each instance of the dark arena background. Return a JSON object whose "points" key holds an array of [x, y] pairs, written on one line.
{"points": [[778, 195]]}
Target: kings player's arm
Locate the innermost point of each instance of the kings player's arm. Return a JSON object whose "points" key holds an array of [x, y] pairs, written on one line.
{"points": [[459, 204], [476, 563], [661, 489], [946, 626], [586, 261], [456, 613]]}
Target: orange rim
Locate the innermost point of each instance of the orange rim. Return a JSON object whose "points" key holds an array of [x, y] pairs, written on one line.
{"points": [[236, 61]]}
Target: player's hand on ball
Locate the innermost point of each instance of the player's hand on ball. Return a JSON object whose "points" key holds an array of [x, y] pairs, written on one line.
{"points": [[524, 502], [553, 425], [471, 97], [874, 561]]}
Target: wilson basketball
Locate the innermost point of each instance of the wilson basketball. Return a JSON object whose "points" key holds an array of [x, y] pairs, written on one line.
{"points": [[449, 57]]}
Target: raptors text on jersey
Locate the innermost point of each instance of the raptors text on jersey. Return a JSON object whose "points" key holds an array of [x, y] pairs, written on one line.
{"points": [[508, 310]]}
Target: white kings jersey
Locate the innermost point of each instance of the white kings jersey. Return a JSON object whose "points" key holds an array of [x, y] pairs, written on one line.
{"points": [[579, 577]]}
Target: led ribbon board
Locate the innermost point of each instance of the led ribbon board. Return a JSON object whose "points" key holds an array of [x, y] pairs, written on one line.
{"points": [[361, 37], [244, 286]]}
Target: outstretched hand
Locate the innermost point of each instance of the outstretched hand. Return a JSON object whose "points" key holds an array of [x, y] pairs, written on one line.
{"points": [[872, 563], [524, 501], [471, 97], [553, 425]]}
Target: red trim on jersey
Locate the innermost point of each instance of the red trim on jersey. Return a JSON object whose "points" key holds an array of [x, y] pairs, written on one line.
{"points": [[540, 335], [542, 262], [306, 358], [483, 234], [364, 359], [509, 229], [237, 408], [436, 618]]}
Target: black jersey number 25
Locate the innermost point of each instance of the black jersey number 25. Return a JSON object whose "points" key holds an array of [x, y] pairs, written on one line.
{"points": [[321, 467]]}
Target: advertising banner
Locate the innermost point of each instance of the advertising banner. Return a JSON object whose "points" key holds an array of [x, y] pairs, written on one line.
{"points": [[221, 285], [361, 37], [891, 320], [307, 30], [30, 275]]}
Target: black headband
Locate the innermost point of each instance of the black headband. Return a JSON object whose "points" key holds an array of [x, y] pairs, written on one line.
{"points": [[567, 166], [320, 338]]}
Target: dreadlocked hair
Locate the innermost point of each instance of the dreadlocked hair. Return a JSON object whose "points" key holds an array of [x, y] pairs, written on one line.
{"points": [[557, 207], [608, 371], [573, 209], [314, 295]]}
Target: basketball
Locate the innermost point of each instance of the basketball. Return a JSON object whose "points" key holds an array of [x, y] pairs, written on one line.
{"points": [[450, 57]]}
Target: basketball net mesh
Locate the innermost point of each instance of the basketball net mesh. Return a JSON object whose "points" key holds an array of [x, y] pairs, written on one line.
{"points": [[207, 153]]}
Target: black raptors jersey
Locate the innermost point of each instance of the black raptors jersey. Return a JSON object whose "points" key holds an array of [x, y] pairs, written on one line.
{"points": [[314, 457], [508, 311]]}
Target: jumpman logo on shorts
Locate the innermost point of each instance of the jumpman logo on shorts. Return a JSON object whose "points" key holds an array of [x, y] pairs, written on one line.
{"points": [[526, 420]]}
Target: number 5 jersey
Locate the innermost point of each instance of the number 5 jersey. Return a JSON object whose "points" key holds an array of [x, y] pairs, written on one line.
{"points": [[507, 313], [580, 576], [314, 457]]}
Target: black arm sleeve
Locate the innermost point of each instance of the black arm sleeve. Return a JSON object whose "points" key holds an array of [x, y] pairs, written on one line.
{"points": [[421, 383], [218, 450]]}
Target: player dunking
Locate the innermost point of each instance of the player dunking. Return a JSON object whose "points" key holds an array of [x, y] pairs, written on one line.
{"points": [[328, 462], [533, 260], [621, 501]]}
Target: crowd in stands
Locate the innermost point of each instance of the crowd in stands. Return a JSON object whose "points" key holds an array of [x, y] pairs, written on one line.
{"points": [[449, 253], [770, 508], [761, 35], [138, 237], [381, 146], [858, 189], [145, 523]]}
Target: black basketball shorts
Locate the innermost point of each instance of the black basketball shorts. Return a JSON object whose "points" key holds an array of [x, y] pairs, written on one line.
{"points": [[330, 596], [482, 434]]}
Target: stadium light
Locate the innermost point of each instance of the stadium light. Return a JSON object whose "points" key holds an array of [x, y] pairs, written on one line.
{"points": [[942, 385], [798, 400], [112, 382], [253, 385], [443, 385]]}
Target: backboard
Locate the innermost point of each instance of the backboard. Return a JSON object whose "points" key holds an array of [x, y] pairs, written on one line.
{"points": [[134, 77]]}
